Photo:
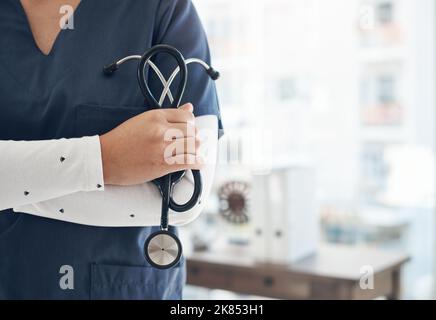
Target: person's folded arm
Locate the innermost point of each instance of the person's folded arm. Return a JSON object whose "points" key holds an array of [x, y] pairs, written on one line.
{"points": [[140, 205], [33, 171]]}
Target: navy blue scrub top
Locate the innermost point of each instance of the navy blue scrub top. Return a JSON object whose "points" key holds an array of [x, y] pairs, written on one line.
{"points": [[65, 95]]}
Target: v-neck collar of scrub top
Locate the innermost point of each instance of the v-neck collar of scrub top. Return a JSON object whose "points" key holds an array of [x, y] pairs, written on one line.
{"points": [[59, 35], [21, 57]]}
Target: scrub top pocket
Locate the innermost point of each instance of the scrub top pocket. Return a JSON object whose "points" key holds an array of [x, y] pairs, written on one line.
{"points": [[114, 282], [97, 119]]}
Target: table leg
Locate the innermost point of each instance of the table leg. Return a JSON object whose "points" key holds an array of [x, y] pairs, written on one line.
{"points": [[396, 285]]}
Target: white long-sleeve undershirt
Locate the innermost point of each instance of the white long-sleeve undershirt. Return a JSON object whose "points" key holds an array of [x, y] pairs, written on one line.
{"points": [[63, 180]]}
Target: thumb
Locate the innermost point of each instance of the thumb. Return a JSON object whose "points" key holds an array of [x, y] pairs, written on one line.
{"points": [[189, 107]]}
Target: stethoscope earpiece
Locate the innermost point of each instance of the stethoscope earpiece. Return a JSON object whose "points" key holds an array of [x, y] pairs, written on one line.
{"points": [[110, 69], [163, 249], [214, 75]]}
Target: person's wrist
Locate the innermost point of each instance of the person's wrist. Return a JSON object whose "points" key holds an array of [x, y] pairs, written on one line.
{"points": [[106, 159]]}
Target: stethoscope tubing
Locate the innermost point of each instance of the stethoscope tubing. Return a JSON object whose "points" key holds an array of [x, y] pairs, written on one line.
{"points": [[168, 185], [148, 94]]}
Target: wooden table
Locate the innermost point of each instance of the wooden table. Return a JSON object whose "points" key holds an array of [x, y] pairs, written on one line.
{"points": [[333, 273]]}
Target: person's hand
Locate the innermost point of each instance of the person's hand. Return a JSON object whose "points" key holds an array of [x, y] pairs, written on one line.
{"points": [[150, 146]]}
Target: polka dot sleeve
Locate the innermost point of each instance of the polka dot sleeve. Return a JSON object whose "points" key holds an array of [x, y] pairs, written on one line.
{"points": [[35, 171]]}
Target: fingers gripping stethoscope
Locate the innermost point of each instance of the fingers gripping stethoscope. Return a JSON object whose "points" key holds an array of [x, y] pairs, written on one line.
{"points": [[163, 249]]}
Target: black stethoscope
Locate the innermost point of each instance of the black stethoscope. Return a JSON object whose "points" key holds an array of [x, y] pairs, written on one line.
{"points": [[163, 249]]}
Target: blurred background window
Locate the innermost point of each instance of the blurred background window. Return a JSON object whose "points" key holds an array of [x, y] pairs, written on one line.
{"points": [[347, 86], [385, 12], [386, 92]]}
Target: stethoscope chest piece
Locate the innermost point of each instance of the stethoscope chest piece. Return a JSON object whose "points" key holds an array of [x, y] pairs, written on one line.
{"points": [[162, 249]]}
